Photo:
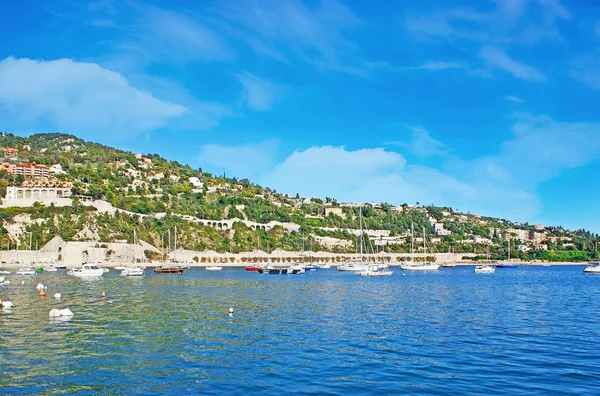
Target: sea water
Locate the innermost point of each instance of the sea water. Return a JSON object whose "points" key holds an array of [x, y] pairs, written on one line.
{"points": [[525, 330]]}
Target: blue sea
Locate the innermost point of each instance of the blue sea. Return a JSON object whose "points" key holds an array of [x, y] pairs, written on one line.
{"points": [[531, 330]]}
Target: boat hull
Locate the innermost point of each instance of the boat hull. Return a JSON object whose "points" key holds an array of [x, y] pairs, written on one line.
{"points": [[507, 265], [375, 273], [428, 267], [169, 270]]}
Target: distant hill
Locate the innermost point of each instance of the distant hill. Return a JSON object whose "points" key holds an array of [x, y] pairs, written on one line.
{"points": [[154, 195]]}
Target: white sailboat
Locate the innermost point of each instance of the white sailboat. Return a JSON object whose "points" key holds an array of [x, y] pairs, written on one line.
{"points": [[135, 270], [416, 265], [486, 268], [357, 264]]}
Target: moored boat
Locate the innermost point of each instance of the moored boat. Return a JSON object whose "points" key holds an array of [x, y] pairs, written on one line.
{"points": [[282, 270], [132, 271], [252, 268], [376, 270], [484, 269], [592, 268], [87, 271], [214, 268], [170, 269], [26, 271]]}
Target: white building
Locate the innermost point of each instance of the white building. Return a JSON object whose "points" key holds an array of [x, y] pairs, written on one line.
{"points": [[195, 182]]}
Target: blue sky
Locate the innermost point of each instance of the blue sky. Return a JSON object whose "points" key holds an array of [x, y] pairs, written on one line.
{"points": [[489, 107]]}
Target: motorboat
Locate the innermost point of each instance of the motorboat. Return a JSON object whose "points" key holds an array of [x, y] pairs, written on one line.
{"points": [[593, 268], [26, 271], [484, 269], [51, 268], [87, 271], [252, 268], [282, 270], [507, 265], [447, 265], [354, 265], [132, 271], [311, 267], [419, 266], [5, 272], [324, 265], [214, 268], [376, 270], [120, 267], [170, 269]]}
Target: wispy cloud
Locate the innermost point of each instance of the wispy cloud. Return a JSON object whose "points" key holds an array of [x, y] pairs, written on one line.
{"points": [[498, 59], [422, 145], [79, 98], [259, 94], [315, 34], [587, 70], [515, 99]]}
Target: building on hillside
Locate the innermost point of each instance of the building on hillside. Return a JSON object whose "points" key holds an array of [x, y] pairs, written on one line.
{"points": [[11, 153], [40, 194], [57, 169], [334, 210], [440, 230], [195, 182], [47, 183], [30, 169]]}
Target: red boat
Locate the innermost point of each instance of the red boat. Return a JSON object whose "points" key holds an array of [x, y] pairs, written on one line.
{"points": [[252, 268]]}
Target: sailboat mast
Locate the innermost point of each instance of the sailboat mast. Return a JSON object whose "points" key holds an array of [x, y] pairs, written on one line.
{"points": [[361, 231], [412, 238]]}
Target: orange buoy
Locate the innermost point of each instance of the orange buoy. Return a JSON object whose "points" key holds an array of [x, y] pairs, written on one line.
{"points": [[42, 293], [103, 295]]}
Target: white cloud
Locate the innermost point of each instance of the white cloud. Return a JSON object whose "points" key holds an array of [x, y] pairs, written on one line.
{"points": [[259, 94], [423, 145], [502, 184], [79, 98], [378, 175], [498, 59], [515, 99]]}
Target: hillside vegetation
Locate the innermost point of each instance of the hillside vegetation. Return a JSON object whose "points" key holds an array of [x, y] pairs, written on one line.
{"points": [[157, 196]]}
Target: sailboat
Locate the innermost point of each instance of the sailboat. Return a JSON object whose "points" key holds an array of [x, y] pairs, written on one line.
{"points": [[255, 267], [310, 266], [507, 264], [450, 264], [416, 265], [136, 270], [486, 268], [170, 268], [358, 264]]}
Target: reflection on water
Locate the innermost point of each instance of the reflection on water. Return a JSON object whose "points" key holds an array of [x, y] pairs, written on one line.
{"points": [[521, 330]]}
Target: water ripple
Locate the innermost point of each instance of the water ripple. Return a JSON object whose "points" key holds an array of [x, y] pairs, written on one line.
{"points": [[530, 330]]}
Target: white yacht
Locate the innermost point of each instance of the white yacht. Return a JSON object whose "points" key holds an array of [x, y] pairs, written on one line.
{"points": [[593, 268], [484, 269], [132, 271], [376, 270], [87, 271], [419, 266], [354, 265], [214, 268]]}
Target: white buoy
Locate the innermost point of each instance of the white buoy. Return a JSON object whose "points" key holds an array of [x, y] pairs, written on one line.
{"points": [[230, 310], [6, 305], [66, 312], [57, 295], [40, 286], [22, 282]]}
